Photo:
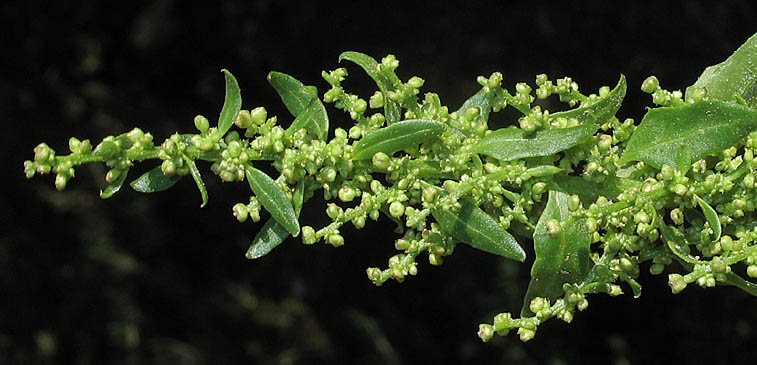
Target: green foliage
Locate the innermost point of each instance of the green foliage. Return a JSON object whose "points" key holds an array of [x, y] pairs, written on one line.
{"points": [[599, 198]]}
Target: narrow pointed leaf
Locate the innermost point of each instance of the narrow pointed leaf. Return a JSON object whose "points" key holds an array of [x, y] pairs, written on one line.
{"points": [[386, 81], [313, 118], [115, 186], [231, 104], [712, 218], [273, 233], [679, 136], [198, 180], [562, 256], [734, 78], [154, 180], [478, 229], [273, 199], [481, 100], [507, 144], [599, 110], [396, 137], [295, 95]]}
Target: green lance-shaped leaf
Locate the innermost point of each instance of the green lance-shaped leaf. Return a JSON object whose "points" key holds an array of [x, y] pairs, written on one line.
{"points": [[313, 118], [154, 180], [481, 100], [712, 218], [115, 186], [385, 80], [396, 137], [273, 233], [599, 110], [679, 136], [273, 199], [303, 102], [231, 104], [733, 79], [507, 144], [561, 244], [478, 229], [195, 172]]}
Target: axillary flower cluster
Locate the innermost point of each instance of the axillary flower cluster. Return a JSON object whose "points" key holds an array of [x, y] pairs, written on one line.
{"points": [[599, 198]]}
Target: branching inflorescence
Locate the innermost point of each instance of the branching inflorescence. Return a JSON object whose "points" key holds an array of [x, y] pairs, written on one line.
{"points": [[599, 197]]}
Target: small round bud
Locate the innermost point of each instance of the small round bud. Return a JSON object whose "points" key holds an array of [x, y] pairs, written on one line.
{"points": [[240, 212], [74, 145], [574, 202], [201, 123], [333, 211], [751, 271], [381, 160], [258, 115], [676, 282], [429, 194], [308, 235], [113, 175], [591, 225], [539, 188], [60, 181], [396, 209], [485, 332], [650, 84], [346, 193], [554, 227], [336, 240], [656, 269]]}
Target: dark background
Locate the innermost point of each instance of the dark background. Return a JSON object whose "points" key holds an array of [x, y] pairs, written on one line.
{"points": [[155, 279]]}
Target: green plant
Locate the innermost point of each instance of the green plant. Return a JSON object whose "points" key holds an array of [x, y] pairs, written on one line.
{"points": [[599, 197]]}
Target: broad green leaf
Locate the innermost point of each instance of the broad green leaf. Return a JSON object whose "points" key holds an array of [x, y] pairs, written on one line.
{"points": [[154, 180], [273, 233], [313, 118], [396, 137], [295, 95], [115, 186], [562, 256], [507, 144], [478, 229], [734, 78], [386, 81], [231, 104], [712, 218], [599, 110], [481, 100], [273, 199], [198, 180], [679, 136]]}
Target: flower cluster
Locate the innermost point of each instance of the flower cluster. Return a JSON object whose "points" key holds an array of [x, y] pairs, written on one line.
{"points": [[600, 198]]}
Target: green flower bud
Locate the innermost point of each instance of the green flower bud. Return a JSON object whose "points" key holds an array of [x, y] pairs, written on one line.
{"points": [[415, 82], [308, 235], [346, 194], [656, 269], [381, 160], [429, 194], [74, 145], [336, 240], [679, 189], [61, 181], [112, 175], [676, 215], [377, 100], [539, 188], [554, 227], [240, 211], [526, 334], [751, 271], [396, 209], [201, 123], [650, 84], [591, 225], [574, 202], [435, 259], [258, 115], [333, 211], [677, 283], [485, 332], [168, 167]]}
